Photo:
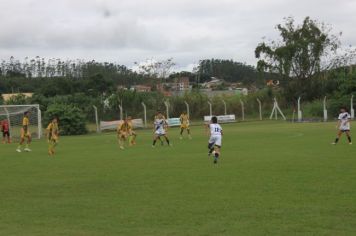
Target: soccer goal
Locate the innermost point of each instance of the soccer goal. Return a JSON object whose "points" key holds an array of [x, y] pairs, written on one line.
{"points": [[14, 115]]}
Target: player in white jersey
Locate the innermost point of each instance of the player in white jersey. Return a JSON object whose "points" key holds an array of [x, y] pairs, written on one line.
{"points": [[343, 125], [160, 128], [215, 139]]}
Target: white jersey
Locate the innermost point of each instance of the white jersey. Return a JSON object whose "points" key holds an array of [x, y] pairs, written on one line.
{"points": [[215, 134], [215, 129], [344, 119], [159, 126]]}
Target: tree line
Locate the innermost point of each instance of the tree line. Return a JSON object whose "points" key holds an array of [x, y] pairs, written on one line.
{"points": [[306, 61]]}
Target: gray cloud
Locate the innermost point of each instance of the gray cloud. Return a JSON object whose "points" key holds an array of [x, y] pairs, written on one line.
{"points": [[133, 30]]}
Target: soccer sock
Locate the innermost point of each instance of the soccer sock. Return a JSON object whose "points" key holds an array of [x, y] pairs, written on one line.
{"points": [[336, 140], [216, 157], [167, 140], [181, 131], [188, 130], [154, 142], [211, 148], [54, 144], [349, 138]]}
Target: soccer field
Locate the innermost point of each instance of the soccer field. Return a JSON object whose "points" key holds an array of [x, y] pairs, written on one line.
{"points": [[273, 178]]}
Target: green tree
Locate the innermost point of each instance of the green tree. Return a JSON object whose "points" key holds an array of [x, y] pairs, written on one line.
{"points": [[302, 57], [71, 118], [301, 50]]}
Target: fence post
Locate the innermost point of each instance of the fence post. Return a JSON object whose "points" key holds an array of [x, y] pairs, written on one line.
{"points": [[166, 103], [121, 112], [96, 119], [144, 114], [39, 120], [187, 106], [225, 110], [242, 110], [300, 115], [260, 107], [325, 110], [352, 108], [210, 108], [275, 110]]}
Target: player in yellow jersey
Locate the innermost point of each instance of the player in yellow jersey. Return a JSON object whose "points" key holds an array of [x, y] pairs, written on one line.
{"points": [[25, 133], [123, 132], [184, 124], [52, 135], [132, 133]]}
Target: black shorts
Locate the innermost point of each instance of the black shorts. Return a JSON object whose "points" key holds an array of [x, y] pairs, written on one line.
{"points": [[345, 130], [5, 134]]}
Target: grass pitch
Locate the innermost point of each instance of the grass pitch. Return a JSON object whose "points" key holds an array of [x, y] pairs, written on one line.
{"points": [[272, 179]]}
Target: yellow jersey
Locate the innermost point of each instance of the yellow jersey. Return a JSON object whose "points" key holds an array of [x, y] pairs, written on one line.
{"points": [[184, 119], [124, 127], [52, 130], [25, 129], [25, 121]]}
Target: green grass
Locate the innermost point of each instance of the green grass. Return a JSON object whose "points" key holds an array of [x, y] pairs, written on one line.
{"points": [[273, 179]]}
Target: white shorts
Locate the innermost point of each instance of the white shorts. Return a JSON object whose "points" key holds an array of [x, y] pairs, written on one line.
{"points": [[345, 128], [160, 132], [216, 139]]}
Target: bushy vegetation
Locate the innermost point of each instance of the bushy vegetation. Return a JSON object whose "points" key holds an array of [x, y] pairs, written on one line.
{"points": [[72, 119], [296, 61]]}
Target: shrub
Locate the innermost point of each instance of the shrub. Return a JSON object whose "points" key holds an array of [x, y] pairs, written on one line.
{"points": [[71, 119], [313, 109], [335, 104]]}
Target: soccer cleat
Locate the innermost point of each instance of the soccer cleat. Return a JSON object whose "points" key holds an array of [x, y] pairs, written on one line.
{"points": [[350, 143], [153, 146], [18, 150], [333, 143], [122, 148], [180, 137], [27, 150]]}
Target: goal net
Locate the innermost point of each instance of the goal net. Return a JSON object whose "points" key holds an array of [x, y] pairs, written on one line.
{"points": [[14, 115]]}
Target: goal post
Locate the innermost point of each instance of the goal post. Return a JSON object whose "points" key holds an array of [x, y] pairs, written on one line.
{"points": [[14, 115]]}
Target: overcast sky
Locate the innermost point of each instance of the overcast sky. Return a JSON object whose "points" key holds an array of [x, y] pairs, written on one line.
{"points": [[125, 31]]}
